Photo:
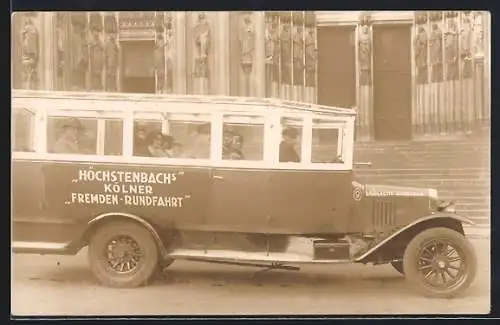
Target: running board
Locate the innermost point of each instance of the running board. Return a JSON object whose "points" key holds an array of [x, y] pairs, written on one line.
{"points": [[239, 256], [24, 247]]}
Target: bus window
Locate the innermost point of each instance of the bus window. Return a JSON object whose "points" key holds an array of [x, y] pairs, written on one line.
{"points": [[190, 137], [326, 142], [290, 146], [243, 138], [23, 130], [84, 136]]}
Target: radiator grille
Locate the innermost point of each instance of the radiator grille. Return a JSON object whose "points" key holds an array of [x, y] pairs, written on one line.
{"points": [[384, 213]]}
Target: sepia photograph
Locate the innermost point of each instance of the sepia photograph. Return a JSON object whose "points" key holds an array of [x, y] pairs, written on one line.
{"points": [[237, 163]]}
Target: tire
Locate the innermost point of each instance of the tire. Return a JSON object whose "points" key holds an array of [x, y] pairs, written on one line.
{"points": [[132, 237], [428, 256], [398, 266]]}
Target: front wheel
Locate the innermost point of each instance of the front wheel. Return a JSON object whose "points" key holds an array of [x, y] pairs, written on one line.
{"points": [[440, 262], [123, 254]]}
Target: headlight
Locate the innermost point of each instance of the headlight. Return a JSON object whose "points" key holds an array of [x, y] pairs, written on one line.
{"points": [[446, 207], [433, 193]]}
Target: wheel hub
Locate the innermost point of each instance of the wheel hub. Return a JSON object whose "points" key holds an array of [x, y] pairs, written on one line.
{"points": [[122, 254]]}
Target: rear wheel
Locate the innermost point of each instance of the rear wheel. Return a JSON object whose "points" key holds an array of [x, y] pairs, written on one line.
{"points": [[123, 254], [440, 262]]}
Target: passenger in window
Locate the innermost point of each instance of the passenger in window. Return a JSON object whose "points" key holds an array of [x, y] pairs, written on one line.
{"points": [[168, 140], [176, 150], [69, 142], [141, 142], [156, 146], [232, 146], [287, 146]]}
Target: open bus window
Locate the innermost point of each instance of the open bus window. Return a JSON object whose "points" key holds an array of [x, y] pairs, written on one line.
{"points": [[113, 139], [23, 129], [243, 138], [190, 136], [326, 142], [290, 146]]}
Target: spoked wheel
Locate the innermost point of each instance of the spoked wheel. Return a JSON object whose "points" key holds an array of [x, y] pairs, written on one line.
{"points": [[398, 266], [440, 262], [123, 254]]}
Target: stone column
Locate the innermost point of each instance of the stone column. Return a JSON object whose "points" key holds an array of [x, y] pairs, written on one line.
{"points": [[260, 53], [222, 53], [48, 63], [180, 71]]}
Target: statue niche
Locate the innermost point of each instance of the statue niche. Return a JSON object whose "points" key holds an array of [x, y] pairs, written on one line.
{"points": [[311, 57], [298, 55], [30, 54], [365, 55], [112, 62], [202, 42], [436, 53], [421, 42], [466, 44], [96, 56], [451, 50], [247, 43], [286, 53]]}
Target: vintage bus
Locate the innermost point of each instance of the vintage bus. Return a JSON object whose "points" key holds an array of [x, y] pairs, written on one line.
{"points": [[143, 180]]}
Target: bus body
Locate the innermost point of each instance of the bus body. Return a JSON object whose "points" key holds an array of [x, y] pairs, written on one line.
{"points": [[202, 203]]}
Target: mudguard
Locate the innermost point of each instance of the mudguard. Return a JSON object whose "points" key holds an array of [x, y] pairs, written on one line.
{"points": [[434, 216], [94, 222]]}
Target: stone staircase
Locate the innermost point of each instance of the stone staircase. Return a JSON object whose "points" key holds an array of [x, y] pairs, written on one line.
{"points": [[458, 168]]}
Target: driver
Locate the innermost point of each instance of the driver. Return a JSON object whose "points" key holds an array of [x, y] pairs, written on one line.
{"points": [[287, 146]]}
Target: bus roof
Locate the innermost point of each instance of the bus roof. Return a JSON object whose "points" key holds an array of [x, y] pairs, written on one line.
{"points": [[209, 99]]}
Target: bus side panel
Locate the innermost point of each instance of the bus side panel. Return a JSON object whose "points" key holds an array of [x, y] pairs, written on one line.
{"points": [[67, 195], [310, 202], [31, 221]]}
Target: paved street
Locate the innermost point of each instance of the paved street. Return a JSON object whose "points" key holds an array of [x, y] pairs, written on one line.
{"points": [[54, 285]]}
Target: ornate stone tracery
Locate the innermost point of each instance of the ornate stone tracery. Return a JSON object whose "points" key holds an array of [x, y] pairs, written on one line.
{"points": [[247, 42]]}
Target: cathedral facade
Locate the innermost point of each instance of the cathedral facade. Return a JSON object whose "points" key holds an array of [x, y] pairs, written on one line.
{"points": [[407, 73]]}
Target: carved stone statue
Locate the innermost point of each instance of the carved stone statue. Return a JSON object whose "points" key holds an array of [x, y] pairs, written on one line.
{"points": [[112, 61], [451, 50], [365, 55], [436, 53], [96, 56], [30, 54], [478, 44], [421, 55], [298, 55], [159, 63], [247, 43], [311, 57], [202, 35], [286, 53], [169, 57], [466, 44]]}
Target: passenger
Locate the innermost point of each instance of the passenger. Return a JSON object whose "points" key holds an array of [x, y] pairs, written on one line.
{"points": [[176, 150], [232, 146], [287, 146], [69, 142], [155, 147], [140, 142], [168, 140]]}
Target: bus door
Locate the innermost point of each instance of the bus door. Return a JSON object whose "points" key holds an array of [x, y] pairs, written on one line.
{"points": [[239, 195]]}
